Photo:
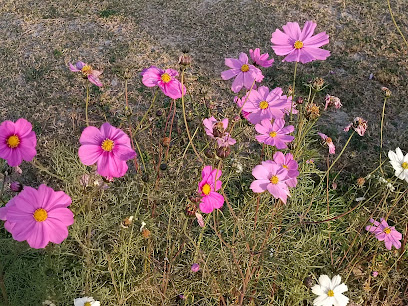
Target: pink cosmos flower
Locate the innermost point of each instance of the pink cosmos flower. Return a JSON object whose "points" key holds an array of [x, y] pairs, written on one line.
{"points": [[300, 45], [38, 216], [208, 187], [359, 125], [87, 72], [274, 134], [383, 232], [329, 142], [17, 142], [332, 100], [287, 162], [195, 267], [240, 103], [270, 176], [264, 104], [245, 73], [217, 130], [260, 59], [109, 147], [165, 79]]}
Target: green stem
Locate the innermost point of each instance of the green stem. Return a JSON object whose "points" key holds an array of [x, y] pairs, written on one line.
{"points": [[147, 112], [381, 132], [395, 23], [86, 104], [293, 90], [341, 153], [185, 118], [200, 238]]}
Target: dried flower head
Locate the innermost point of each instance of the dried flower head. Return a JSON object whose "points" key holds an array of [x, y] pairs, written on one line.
{"points": [[127, 222], [312, 111], [317, 84], [360, 182], [386, 91], [359, 125], [185, 60], [332, 101]]}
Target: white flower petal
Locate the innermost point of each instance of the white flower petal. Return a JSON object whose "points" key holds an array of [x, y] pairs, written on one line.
{"points": [[325, 282], [321, 300], [392, 156], [340, 289], [318, 290], [341, 300], [400, 156], [336, 280]]}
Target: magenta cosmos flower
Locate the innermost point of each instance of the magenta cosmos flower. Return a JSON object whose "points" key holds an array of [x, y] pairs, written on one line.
{"points": [[264, 104], [287, 162], [208, 187], [272, 177], [329, 142], [260, 59], [244, 73], [87, 72], [108, 147], [165, 80], [38, 216], [300, 46], [17, 142], [274, 134], [217, 130], [386, 233]]}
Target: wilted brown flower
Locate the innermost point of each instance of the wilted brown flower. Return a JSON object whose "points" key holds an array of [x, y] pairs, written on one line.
{"points": [[312, 111]]}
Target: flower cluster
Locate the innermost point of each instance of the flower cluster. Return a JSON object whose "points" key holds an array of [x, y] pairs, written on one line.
{"points": [[276, 176]]}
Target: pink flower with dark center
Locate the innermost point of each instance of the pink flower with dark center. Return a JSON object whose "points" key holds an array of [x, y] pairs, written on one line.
{"points": [[329, 142], [208, 187], [217, 130], [270, 176], [165, 80], [87, 72], [287, 162], [244, 73], [359, 125], [300, 45], [108, 147], [332, 100], [274, 134], [264, 104], [17, 142], [386, 233], [38, 216], [260, 59]]}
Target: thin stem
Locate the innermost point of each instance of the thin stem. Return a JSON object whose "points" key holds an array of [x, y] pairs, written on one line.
{"points": [[293, 90], [130, 129], [147, 112], [395, 23], [185, 118], [42, 168], [341, 153], [86, 104], [381, 133]]}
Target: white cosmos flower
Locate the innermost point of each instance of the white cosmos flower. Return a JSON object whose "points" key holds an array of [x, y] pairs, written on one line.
{"points": [[86, 301], [400, 163], [330, 292]]}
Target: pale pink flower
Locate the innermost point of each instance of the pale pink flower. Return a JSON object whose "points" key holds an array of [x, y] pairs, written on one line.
{"points": [[240, 103], [244, 73], [217, 130], [165, 80], [208, 187], [200, 219], [264, 104], [386, 233], [300, 45], [87, 72], [272, 177], [375, 273], [195, 267], [329, 142], [260, 59], [332, 100], [287, 162], [275, 134], [359, 125]]}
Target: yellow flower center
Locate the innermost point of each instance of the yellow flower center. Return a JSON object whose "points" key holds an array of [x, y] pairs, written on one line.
{"points": [[298, 44], [88, 304], [40, 215], [329, 140], [273, 134], [13, 141], [206, 189], [107, 145], [387, 230], [330, 293], [165, 77], [274, 180], [244, 68], [263, 105], [86, 70], [285, 166], [404, 165]]}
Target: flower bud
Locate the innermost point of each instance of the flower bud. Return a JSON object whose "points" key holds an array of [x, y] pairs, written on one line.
{"points": [[386, 91], [318, 84], [223, 152], [209, 153], [191, 209], [16, 186], [165, 141], [195, 267], [185, 60], [146, 233], [360, 182], [299, 100]]}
